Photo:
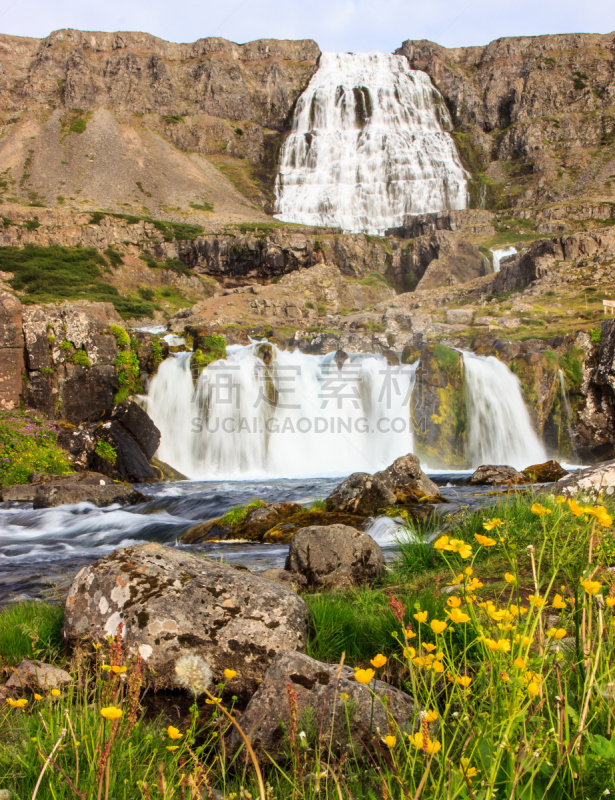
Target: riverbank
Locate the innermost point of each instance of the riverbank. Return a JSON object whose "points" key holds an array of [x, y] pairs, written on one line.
{"points": [[511, 630]]}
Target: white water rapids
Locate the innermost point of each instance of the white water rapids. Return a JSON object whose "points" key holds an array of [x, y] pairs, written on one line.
{"points": [[369, 145], [498, 255], [499, 426], [305, 416]]}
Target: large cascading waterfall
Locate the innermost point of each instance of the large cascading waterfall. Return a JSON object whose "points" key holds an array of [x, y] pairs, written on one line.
{"points": [[498, 255], [266, 413], [368, 145], [499, 426]]}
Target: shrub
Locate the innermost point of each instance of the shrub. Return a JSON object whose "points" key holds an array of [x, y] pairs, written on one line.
{"points": [[81, 358], [595, 335], [127, 364], [115, 258], [121, 336], [28, 444]]}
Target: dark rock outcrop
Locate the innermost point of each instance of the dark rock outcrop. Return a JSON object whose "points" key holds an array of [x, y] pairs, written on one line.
{"points": [[545, 473], [174, 605], [48, 491], [596, 426], [319, 691], [11, 351], [406, 476], [495, 475], [335, 556], [360, 494]]}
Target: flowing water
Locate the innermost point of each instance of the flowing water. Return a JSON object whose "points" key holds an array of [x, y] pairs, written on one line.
{"points": [[499, 426], [369, 144], [296, 417], [498, 255]]}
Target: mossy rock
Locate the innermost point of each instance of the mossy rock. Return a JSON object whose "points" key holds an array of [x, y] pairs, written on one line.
{"points": [[439, 413], [165, 471], [283, 532]]}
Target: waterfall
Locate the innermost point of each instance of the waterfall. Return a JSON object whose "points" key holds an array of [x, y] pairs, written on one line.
{"points": [[499, 426], [565, 398], [498, 255], [266, 413], [368, 145]]}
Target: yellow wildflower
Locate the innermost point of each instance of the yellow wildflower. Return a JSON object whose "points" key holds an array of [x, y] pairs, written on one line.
{"points": [[173, 733], [437, 626], [55, 692], [457, 616], [229, 674], [591, 587], [465, 551], [485, 541], [378, 661], [431, 716], [492, 523], [464, 680], [536, 601], [118, 670], [428, 646], [453, 602], [556, 633], [432, 747], [560, 499], [438, 667], [409, 652], [505, 676], [558, 602], [533, 689], [509, 578], [344, 696], [539, 510], [364, 675], [17, 703], [111, 712], [421, 616], [390, 741], [213, 701], [610, 601], [172, 747], [576, 509]]}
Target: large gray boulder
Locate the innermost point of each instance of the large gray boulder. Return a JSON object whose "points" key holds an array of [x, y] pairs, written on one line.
{"points": [[590, 482], [361, 494], [319, 694], [49, 491], [406, 476], [174, 604], [335, 556], [495, 475]]}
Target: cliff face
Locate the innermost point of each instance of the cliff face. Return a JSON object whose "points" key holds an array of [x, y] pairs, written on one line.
{"points": [[530, 113], [124, 121]]}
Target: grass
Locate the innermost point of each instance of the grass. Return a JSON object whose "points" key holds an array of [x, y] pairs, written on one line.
{"points": [[28, 444], [30, 629], [236, 516], [53, 274]]}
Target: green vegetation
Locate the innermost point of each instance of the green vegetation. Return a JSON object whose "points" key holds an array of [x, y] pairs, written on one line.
{"points": [[106, 451], [28, 444], [128, 372], [172, 119], [81, 358], [171, 231], [122, 338], [114, 258], [595, 335], [52, 274], [238, 515], [211, 348], [30, 630], [572, 365], [375, 279], [202, 206], [74, 121]]}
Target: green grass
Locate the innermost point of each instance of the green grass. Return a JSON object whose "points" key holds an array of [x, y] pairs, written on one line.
{"points": [[30, 629], [238, 515], [52, 274], [28, 444]]}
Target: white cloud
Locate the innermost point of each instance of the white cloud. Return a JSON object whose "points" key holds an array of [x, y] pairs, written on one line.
{"points": [[353, 25]]}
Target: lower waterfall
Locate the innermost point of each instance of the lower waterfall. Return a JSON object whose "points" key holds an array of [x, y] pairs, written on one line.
{"points": [[498, 255], [499, 426], [297, 416]]}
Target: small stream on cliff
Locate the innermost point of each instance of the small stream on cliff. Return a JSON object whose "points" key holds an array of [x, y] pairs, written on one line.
{"points": [[42, 550]]}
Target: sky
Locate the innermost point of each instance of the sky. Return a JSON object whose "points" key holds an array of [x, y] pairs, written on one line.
{"points": [[338, 25]]}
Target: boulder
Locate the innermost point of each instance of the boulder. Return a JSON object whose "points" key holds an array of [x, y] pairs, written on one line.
{"points": [[130, 462], [495, 475], [591, 481], [139, 425], [174, 604], [293, 580], [360, 494], [335, 556], [256, 524], [347, 720], [45, 491], [37, 675], [284, 531], [548, 472], [459, 316], [406, 476]]}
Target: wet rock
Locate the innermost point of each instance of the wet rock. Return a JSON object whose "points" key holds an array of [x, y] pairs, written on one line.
{"points": [[37, 675], [591, 481], [256, 524], [335, 556], [360, 494], [319, 693], [406, 476], [174, 604], [51, 495], [459, 316], [495, 475], [293, 580], [130, 462], [139, 425], [545, 473], [284, 532]]}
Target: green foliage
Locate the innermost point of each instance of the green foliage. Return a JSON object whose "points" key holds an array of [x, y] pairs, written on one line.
{"points": [[321, 310], [448, 360], [78, 126], [202, 206], [238, 515], [572, 365], [375, 279], [122, 338], [28, 444], [80, 357], [157, 353], [115, 258], [96, 218], [212, 348], [52, 274], [146, 293], [128, 372], [66, 346], [595, 335], [30, 629], [310, 305], [106, 451], [32, 224], [172, 119]]}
